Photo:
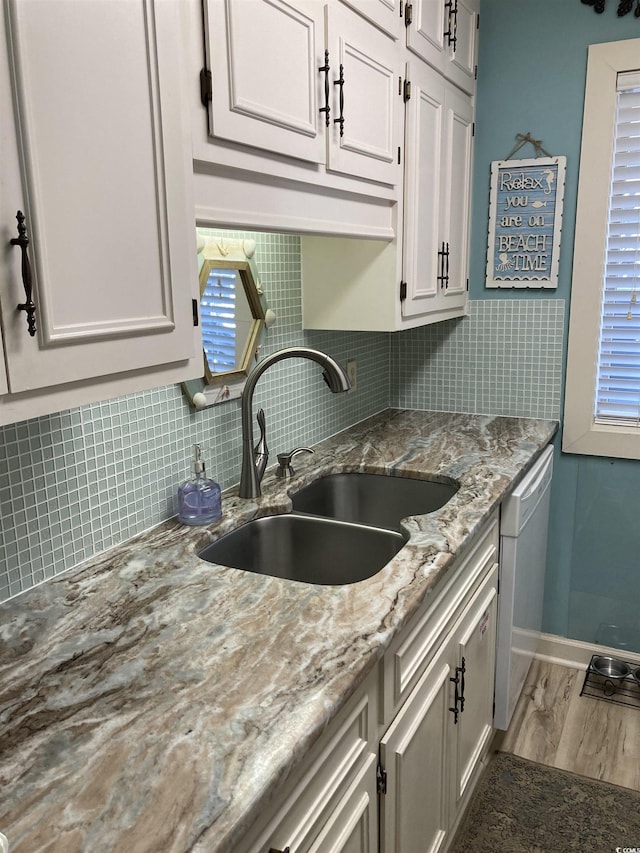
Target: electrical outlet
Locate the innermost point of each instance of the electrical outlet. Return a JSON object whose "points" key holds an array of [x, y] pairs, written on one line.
{"points": [[352, 373]]}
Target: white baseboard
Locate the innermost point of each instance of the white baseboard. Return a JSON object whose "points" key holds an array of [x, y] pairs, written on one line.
{"points": [[575, 653]]}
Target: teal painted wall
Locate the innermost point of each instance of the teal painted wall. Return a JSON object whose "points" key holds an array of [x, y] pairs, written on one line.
{"points": [[532, 62]]}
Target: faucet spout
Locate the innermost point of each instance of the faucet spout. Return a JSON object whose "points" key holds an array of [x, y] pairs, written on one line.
{"points": [[333, 374]]}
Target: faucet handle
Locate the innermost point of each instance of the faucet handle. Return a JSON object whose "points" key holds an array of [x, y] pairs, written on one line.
{"points": [[285, 469]]}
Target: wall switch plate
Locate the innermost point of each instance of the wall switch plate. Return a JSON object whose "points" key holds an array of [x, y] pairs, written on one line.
{"points": [[352, 373]]}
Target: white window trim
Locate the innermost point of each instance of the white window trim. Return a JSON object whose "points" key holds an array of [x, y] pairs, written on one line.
{"points": [[580, 433]]}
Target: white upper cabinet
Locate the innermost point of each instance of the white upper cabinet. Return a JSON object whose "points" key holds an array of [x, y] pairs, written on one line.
{"points": [[369, 150], [312, 82], [264, 58], [365, 124], [373, 286], [97, 159], [386, 14], [444, 34], [438, 146]]}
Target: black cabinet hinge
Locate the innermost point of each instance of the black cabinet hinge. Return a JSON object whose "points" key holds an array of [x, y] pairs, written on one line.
{"points": [[473, 129], [478, 21], [403, 291], [467, 285], [194, 309], [408, 14], [381, 780], [206, 87], [398, 155], [475, 72], [407, 91]]}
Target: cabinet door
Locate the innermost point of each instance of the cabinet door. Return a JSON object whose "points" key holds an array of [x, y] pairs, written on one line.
{"points": [[265, 57], [385, 14], [414, 754], [475, 649], [438, 151], [100, 141], [456, 195], [426, 32], [423, 188], [332, 806], [444, 35], [365, 73], [463, 60], [353, 825]]}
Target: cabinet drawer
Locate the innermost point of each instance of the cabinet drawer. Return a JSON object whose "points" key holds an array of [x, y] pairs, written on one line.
{"points": [[409, 655], [299, 814]]}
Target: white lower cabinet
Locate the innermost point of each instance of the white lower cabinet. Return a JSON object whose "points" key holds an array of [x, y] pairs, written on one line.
{"points": [[395, 769], [353, 825], [330, 806], [473, 653], [414, 754], [430, 753]]}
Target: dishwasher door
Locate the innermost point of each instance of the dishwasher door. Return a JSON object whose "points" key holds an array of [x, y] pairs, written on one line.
{"points": [[523, 556]]}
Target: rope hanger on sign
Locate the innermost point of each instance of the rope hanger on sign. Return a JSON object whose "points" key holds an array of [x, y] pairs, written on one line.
{"points": [[524, 139], [624, 7]]}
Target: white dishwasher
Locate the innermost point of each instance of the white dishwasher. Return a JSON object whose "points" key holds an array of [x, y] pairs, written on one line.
{"points": [[523, 555]]}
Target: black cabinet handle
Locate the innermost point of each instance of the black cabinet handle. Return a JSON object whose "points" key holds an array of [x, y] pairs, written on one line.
{"points": [[443, 266], [451, 34], [456, 697], [340, 82], [28, 305], [326, 68], [446, 267], [461, 669]]}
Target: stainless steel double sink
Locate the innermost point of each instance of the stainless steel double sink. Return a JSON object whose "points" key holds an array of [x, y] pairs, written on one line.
{"points": [[343, 528]]}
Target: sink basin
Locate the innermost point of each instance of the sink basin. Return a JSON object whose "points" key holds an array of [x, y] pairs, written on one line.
{"points": [[302, 548], [375, 499]]}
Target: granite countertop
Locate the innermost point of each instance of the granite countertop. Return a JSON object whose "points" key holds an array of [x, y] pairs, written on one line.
{"points": [[151, 701]]}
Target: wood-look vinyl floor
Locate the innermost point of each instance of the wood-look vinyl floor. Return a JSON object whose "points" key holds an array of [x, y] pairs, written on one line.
{"points": [[553, 725]]}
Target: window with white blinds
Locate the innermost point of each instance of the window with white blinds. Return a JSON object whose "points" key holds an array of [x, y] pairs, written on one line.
{"points": [[218, 315], [602, 381], [618, 380]]}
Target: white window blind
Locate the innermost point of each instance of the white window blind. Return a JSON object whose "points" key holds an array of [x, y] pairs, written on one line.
{"points": [[218, 315], [618, 381]]}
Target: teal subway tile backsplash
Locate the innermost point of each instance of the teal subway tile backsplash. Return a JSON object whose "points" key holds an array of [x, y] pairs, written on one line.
{"points": [[505, 358], [79, 481]]}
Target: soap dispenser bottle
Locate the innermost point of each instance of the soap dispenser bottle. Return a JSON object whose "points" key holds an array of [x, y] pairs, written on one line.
{"points": [[199, 500]]}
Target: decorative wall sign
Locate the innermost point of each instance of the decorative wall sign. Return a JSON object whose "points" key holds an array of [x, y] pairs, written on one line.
{"points": [[525, 221]]}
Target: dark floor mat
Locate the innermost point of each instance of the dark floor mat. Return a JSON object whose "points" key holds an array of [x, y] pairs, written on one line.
{"points": [[523, 807]]}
